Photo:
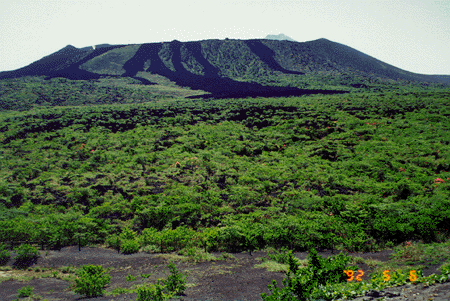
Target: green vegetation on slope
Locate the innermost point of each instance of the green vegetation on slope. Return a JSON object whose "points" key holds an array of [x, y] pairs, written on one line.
{"points": [[21, 94], [352, 171], [28, 92]]}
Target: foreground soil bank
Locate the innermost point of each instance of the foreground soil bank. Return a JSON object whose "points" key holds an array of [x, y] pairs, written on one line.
{"points": [[230, 279]]}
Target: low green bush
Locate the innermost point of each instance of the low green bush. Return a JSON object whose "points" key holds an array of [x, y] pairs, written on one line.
{"points": [[91, 280], [281, 256], [4, 254], [113, 241], [127, 234], [164, 289], [153, 292], [196, 254], [151, 249], [68, 269], [26, 255], [25, 291], [129, 246], [176, 281], [304, 283], [171, 239]]}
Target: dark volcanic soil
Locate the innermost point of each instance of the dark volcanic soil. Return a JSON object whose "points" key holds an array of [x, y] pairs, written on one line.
{"points": [[231, 279]]}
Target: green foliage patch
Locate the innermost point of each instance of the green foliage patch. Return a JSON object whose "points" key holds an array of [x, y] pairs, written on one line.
{"points": [[26, 254], [301, 283], [354, 172], [25, 291], [153, 292], [4, 254], [176, 281], [91, 280]]}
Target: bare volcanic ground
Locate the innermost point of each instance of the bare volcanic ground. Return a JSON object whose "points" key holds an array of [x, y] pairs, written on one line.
{"points": [[230, 279]]}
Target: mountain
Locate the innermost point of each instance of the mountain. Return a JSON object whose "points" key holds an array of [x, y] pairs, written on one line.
{"points": [[229, 68], [280, 37]]}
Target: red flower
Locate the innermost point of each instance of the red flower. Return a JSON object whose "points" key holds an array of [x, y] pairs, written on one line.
{"points": [[438, 180]]}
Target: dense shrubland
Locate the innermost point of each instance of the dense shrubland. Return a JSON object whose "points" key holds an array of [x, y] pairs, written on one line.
{"points": [[25, 93], [353, 172]]}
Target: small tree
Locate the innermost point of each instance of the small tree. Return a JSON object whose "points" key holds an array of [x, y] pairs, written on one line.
{"points": [[4, 254], [176, 281], [129, 246], [153, 292], [300, 283], [26, 255], [91, 280], [26, 252]]}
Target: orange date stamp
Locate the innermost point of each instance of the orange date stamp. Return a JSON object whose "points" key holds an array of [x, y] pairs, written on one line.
{"points": [[386, 277]]}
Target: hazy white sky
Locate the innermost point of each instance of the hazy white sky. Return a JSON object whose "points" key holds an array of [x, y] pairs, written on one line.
{"points": [[410, 34]]}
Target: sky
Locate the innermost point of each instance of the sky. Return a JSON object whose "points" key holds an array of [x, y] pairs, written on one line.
{"points": [[413, 35]]}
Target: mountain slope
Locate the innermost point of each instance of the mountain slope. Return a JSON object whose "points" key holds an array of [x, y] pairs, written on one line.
{"points": [[325, 55], [222, 66], [66, 59]]}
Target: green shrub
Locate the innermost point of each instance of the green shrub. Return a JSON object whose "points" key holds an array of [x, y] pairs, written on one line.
{"points": [[113, 242], [26, 255], [68, 269], [91, 280], [445, 269], [156, 217], [233, 238], [153, 292], [151, 249], [176, 281], [145, 275], [4, 254], [304, 282], [210, 238], [281, 256], [26, 251], [129, 246], [127, 234], [172, 239], [25, 291]]}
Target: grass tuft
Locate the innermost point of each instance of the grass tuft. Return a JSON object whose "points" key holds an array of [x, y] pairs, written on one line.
{"points": [[273, 266]]}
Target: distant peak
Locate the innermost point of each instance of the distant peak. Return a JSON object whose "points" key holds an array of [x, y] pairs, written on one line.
{"points": [[68, 50], [280, 37]]}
